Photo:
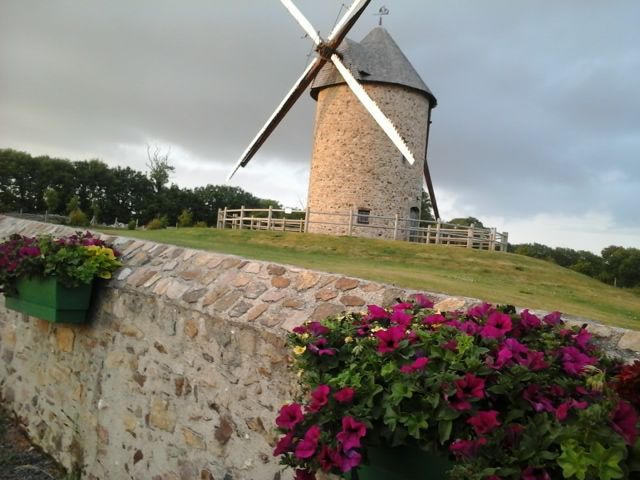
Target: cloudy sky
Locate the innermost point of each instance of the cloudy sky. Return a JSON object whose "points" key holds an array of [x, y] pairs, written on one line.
{"points": [[537, 129]]}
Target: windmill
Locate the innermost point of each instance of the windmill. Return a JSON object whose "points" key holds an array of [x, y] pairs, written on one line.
{"points": [[339, 57]]}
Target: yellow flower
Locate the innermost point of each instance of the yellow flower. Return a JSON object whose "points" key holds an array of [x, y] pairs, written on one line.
{"points": [[299, 350], [377, 328], [348, 339], [304, 336]]}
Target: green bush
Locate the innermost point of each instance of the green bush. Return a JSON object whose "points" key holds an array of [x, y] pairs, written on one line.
{"points": [[131, 225], [156, 224], [78, 218], [185, 219], [200, 225]]}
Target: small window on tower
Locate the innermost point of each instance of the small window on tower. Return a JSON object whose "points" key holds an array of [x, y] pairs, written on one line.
{"points": [[363, 216]]}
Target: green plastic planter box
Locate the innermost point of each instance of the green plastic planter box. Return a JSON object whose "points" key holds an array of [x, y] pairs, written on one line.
{"points": [[47, 299], [402, 463]]}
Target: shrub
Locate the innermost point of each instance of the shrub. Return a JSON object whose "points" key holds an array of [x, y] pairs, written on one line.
{"points": [[156, 224], [131, 225], [185, 219], [78, 218], [201, 224]]}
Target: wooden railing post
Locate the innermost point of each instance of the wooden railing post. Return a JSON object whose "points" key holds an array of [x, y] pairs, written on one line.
{"points": [[241, 216], [395, 228], [438, 226], [492, 240], [269, 217], [307, 213], [470, 235]]}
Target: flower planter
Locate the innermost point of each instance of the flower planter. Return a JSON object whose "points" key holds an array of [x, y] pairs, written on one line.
{"points": [[402, 463], [47, 299]]}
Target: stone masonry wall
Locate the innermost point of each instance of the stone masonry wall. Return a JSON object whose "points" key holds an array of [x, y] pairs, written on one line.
{"points": [[355, 166], [181, 370]]}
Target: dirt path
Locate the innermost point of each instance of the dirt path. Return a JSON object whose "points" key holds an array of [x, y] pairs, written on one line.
{"points": [[19, 460]]}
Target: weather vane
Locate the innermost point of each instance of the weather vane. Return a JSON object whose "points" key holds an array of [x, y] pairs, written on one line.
{"points": [[383, 11]]}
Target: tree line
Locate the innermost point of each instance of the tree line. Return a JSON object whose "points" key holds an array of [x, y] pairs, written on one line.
{"points": [[35, 184]]}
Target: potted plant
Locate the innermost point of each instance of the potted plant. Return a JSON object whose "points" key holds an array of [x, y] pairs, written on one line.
{"points": [[52, 278], [490, 393]]}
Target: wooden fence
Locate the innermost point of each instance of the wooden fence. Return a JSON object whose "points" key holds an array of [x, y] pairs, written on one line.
{"points": [[351, 224]]}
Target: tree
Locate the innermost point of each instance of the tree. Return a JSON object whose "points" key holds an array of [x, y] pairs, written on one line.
{"points": [[185, 219], [159, 168], [74, 204], [426, 209], [468, 221], [51, 199]]}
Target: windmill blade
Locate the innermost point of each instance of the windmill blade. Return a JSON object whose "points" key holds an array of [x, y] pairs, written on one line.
{"points": [[296, 91], [430, 191], [347, 21], [302, 21], [372, 107]]}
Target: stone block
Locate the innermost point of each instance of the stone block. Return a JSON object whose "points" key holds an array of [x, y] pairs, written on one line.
{"points": [[65, 338], [257, 311], [131, 331], [280, 282], [326, 294], [276, 270], [346, 283], [190, 328], [352, 301], [630, 341], [224, 430], [252, 267], [192, 296], [162, 415], [450, 304], [273, 296], [326, 310], [305, 280], [193, 439]]}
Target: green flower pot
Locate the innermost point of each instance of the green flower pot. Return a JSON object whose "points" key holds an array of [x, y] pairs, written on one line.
{"points": [[47, 299], [402, 463]]}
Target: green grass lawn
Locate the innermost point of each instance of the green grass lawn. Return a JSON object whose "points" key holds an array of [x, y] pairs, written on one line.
{"points": [[491, 276]]}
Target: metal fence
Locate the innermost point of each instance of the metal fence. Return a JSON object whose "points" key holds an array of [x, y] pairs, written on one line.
{"points": [[354, 224]]}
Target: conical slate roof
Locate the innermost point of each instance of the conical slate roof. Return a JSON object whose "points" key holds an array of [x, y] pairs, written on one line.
{"points": [[377, 58]]}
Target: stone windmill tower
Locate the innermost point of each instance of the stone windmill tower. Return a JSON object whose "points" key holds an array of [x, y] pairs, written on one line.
{"points": [[355, 168], [371, 134]]}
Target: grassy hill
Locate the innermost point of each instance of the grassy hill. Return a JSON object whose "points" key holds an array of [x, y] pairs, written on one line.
{"points": [[491, 276]]}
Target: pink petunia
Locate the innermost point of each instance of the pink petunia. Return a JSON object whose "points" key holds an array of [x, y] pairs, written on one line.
{"points": [[484, 422], [290, 415], [479, 311], [307, 447], [624, 420], [346, 460], [466, 449], [319, 398], [574, 361], [352, 432], [554, 318], [389, 340], [376, 312], [284, 444], [422, 300], [529, 320], [344, 395], [304, 475], [418, 364], [469, 386], [498, 324], [401, 317], [435, 319]]}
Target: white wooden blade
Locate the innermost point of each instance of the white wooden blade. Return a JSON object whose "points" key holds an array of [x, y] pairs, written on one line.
{"points": [[298, 88], [301, 19], [372, 107], [355, 6]]}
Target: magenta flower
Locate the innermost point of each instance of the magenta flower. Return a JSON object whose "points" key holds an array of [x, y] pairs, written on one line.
{"points": [[389, 340], [582, 339], [401, 317], [535, 473], [300, 329], [319, 398], [422, 300], [466, 449], [30, 251], [284, 444], [346, 460], [451, 345], [344, 395], [535, 361], [418, 364], [308, 445], [376, 312], [435, 319], [325, 458], [479, 311], [469, 386], [538, 401], [554, 318], [511, 351], [574, 361], [497, 325], [529, 320], [316, 329], [624, 420], [316, 348], [304, 475], [484, 422], [352, 432], [290, 415]]}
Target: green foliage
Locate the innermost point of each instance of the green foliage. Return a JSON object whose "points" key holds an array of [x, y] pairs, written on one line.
{"points": [[185, 219], [157, 224], [74, 204], [131, 225], [74, 259], [52, 199], [504, 393], [200, 225], [426, 209], [467, 221], [78, 218]]}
